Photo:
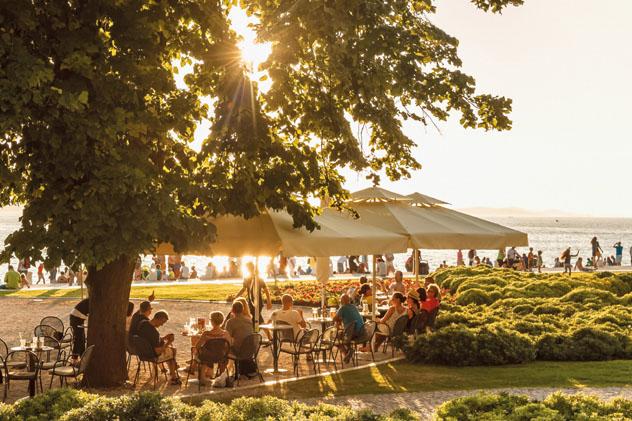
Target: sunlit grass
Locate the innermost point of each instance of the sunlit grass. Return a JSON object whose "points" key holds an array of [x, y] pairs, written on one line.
{"points": [[406, 377]]}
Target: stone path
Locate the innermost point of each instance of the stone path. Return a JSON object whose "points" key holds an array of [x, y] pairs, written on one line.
{"points": [[425, 403]]}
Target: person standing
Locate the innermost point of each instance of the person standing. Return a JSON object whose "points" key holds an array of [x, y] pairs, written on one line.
{"points": [[540, 261], [566, 258], [390, 265], [459, 258], [40, 274], [78, 316], [500, 259], [52, 275], [597, 252], [249, 289], [470, 257], [618, 252]]}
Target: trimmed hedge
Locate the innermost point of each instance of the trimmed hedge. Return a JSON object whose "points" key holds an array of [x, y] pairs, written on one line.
{"points": [[513, 408], [73, 405], [498, 316]]}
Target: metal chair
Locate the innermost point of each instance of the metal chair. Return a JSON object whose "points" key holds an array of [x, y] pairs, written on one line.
{"points": [[21, 366], [326, 346], [398, 329], [4, 351], [248, 350], [304, 345], [344, 340], [49, 364], [50, 331], [64, 370], [64, 335], [143, 351], [213, 351], [365, 337]]}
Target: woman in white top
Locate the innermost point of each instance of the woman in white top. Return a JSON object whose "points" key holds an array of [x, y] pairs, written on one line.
{"points": [[385, 324]]}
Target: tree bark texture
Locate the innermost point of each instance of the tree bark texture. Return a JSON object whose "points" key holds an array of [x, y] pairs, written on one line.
{"points": [[108, 289]]}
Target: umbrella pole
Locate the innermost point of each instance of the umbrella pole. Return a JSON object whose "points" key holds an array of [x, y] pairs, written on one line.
{"points": [[374, 290], [416, 264], [256, 293]]}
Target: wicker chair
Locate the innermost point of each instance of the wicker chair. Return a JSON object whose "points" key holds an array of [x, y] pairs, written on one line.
{"points": [[398, 329], [213, 351], [304, 345], [64, 370], [248, 350], [21, 366]]}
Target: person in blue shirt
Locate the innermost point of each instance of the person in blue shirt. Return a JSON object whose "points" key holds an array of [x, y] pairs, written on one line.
{"points": [[618, 248], [348, 314]]}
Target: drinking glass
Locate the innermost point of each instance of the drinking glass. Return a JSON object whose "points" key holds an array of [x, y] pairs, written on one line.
{"points": [[34, 343], [314, 312], [22, 343]]}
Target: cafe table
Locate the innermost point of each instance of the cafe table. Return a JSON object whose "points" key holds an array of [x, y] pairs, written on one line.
{"points": [[275, 328], [37, 351]]}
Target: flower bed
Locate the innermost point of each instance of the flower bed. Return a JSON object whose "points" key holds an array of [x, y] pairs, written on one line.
{"points": [[72, 405], [494, 316]]}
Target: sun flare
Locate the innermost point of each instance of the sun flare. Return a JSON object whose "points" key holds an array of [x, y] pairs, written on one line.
{"points": [[252, 52]]}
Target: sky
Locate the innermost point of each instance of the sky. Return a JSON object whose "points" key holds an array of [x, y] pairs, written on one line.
{"points": [[566, 65]]}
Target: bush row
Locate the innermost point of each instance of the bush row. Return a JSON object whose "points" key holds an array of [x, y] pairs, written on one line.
{"points": [[514, 408], [494, 316], [73, 405]]}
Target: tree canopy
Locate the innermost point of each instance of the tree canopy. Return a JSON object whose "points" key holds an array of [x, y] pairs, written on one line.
{"points": [[95, 134]]}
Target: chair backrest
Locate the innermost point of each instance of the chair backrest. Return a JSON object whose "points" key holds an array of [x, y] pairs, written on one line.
{"points": [[4, 349], [285, 335], [143, 349], [54, 322], [44, 330], [350, 329], [400, 326], [214, 351], [328, 338], [308, 340], [16, 359], [86, 357], [369, 330], [249, 347]]}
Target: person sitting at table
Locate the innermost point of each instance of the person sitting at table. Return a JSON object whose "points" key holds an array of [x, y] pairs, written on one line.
{"points": [[78, 316], [289, 315], [364, 293], [428, 306], [398, 285], [143, 313], [412, 309], [216, 332], [348, 314], [161, 347], [238, 325], [385, 324]]}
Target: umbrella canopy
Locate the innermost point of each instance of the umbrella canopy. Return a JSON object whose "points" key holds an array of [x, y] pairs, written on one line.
{"points": [[377, 195], [418, 199], [436, 227], [272, 232]]}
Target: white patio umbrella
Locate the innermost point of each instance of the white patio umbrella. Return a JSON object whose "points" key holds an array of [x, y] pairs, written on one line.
{"points": [[272, 232]]}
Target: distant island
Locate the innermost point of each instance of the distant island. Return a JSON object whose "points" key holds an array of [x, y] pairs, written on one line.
{"points": [[519, 213]]}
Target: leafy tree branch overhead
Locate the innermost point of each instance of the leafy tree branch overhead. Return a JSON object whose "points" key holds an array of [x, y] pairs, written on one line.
{"points": [[95, 133]]}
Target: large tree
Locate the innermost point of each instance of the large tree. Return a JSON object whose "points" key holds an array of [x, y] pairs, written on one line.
{"points": [[95, 133]]}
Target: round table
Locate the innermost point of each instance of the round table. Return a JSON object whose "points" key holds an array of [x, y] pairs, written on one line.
{"points": [[275, 328]]}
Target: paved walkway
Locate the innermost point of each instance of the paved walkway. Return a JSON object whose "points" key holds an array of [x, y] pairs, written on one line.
{"points": [[425, 403]]}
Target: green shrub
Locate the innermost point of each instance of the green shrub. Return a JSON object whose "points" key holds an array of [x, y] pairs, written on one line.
{"points": [[52, 404], [585, 295], [7, 412], [555, 407], [473, 296]]}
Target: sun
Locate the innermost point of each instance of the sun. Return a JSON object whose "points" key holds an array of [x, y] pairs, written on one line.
{"points": [[252, 52]]}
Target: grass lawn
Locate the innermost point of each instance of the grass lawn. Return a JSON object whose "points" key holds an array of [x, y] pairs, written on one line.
{"points": [[183, 292], [406, 377]]}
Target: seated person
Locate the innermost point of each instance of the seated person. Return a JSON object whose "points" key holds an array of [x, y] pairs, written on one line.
{"points": [[143, 313], [11, 279], [289, 315], [239, 325], [412, 309], [433, 298], [364, 293], [579, 265], [398, 284], [386, 323], [216, 332], [348, 314], [128, 318], [163, 352]]}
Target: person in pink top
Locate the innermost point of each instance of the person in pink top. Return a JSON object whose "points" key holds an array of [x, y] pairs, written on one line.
{"points": [[459, 258]]}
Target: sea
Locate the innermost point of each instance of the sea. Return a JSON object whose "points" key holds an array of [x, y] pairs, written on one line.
{"points": [[549, 234]]}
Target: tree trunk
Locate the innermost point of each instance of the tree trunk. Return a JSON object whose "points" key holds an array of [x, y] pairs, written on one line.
{"points": [[108, 289]]}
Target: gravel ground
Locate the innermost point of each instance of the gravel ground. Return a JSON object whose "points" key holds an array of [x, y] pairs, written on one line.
{"points": [[425, 403]]}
